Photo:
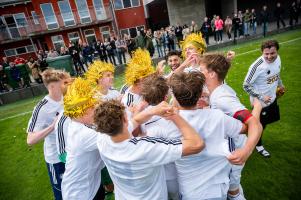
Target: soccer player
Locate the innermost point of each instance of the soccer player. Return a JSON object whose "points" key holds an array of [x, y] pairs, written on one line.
{"points": [[206, 175], [215, 68], [136, 164], [42, 122], [102, 74], [82, 178], [262, 81]]}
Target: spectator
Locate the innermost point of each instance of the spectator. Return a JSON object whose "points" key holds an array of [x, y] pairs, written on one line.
{"points": [[130, 43], [5, 62], [193, 27], [64, 51], [179, 34], [42, 53], [34, 68], [264, 20], [149, 43], [42, 64], [101, 49], [157, 43], [213, 27], [293, 14], [4, 86], [52, 54], [171, 40], [88, 52], [121, 49], [16, 74], [19, 60], [241, 23], [185, 31], [74, 52], [253, 21], [110, 51], [205, 29], [247, 19], [235, 24], [219, 25], [140, 39], [298, 4], [279, 12], [228, 26]]}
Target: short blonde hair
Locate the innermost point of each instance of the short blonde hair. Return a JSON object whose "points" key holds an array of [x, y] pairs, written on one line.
{"points": [[54, 75]]}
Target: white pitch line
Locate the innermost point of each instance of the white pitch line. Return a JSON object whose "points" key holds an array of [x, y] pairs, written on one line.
{"points": [[14, 116], [247, 52]]}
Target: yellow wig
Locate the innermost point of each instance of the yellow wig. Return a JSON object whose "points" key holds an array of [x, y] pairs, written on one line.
{"points": [[196, 41], [139, 66], [97, 69], [79, 97]]}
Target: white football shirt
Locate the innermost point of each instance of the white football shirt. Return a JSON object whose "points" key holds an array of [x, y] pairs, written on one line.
{"points": [[82, 176], [136, 165], [43, 115], [262, 79], [129, 98]]}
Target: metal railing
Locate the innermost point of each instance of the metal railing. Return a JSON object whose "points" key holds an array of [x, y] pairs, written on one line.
{"points": [[58, 22]]}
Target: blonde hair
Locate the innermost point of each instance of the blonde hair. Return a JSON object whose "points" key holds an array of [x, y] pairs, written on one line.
{"points": [[54, 75]]}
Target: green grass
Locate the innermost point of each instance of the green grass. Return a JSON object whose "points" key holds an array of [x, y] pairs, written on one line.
{"points": [[23, 171]]}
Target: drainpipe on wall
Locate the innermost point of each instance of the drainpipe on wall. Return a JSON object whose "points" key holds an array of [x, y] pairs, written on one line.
{"points": [[115, 27]]}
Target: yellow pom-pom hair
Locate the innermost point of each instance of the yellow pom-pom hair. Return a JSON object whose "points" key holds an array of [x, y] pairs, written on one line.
{"points": [[139, 66], [194, 40], [79, 97], [97, 69]]}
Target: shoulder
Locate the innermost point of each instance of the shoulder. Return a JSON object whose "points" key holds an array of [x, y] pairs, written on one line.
{"points": [[257, 63], [148, 140]]}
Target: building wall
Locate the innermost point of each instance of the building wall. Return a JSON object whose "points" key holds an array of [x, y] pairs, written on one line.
{"points": [[185, 11]]}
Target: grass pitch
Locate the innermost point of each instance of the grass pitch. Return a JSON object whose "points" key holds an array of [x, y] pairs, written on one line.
{"points": [[23, 170]]}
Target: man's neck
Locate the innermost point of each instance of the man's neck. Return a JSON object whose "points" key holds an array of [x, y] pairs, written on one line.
{"points": [[134, 89], [188, 108], [212, 85], [121, 137], [54, 95]]}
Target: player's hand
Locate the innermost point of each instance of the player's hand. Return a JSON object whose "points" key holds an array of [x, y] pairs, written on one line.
{"points": [[280, 91], [161, 67], [230, 55], [52, 125], [239, 156], [191, 60], [267, 99]]}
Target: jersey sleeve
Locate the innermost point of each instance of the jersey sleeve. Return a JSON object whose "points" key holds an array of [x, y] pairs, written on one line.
{"points": [[159, 151], [250, 78], [232, 126], [89, 141], [37, 120]]}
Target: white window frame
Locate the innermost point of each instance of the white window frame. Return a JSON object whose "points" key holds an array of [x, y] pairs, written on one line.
{"points": [[126, 7], [34, 49], [88, 35], [84, 16], [35, 21], [54, 16], [14, 49], [103, 39], [60, 41], [18, 26], [104, 15], [128, 29], [70, 11], [75, 37]]}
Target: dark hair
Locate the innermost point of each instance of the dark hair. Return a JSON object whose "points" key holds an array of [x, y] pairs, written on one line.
{"points": [[173, 53], [108, 117], [187, 87], [216, 62], [154, 89], [269, 44]]}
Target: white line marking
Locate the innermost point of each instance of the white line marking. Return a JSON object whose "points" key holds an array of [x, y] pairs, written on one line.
{"points": [[247, 52], [14, 116]]}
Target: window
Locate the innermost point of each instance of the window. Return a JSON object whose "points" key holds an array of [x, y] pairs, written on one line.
{"points": [[35, 17], [90, 36], [21, 50], [124, 31], [66, 13], [100, 12], [105, 31], [83, 11], [10, 52], [20, 19], [30, 48], [131, 31], [49, 16], [58, 42], [120, 4], [73, 37]]}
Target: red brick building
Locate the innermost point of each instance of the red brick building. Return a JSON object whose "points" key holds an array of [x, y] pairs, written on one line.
{"points": [[29, 25]]}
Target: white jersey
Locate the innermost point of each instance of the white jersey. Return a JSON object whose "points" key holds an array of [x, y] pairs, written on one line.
{"points": [[136, 165], [201, 175], [82, 176], [129, 98], [42, 117], [262, 79], [112, 94], [61, 130]]}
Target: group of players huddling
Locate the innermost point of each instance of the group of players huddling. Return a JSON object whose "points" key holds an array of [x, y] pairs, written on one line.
{"points": [[183, 135]]}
